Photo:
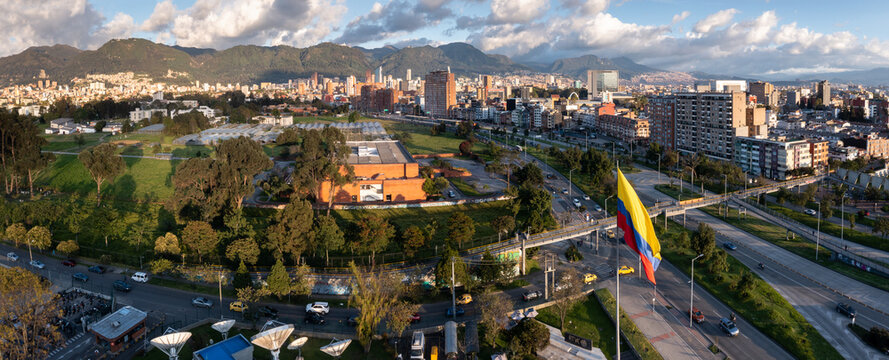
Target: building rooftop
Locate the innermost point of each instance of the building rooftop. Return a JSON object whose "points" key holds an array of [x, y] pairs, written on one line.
{"points": [[119, 322], [224, 350], [378, 152]]}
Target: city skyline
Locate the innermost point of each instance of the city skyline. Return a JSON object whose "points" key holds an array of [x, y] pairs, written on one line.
{"points": [[766, 39]]}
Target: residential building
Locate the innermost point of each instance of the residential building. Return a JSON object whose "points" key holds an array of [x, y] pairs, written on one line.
{"points": [[375, 99], [765, 93], [139, 114], [871, 146], [708, 123], [720, 85], [823, 89], [820, 153], [626, 129], [440, 93], [602, 80], [384, 172], [755, 121], [793, 98], [772, 158], [662, 116]]}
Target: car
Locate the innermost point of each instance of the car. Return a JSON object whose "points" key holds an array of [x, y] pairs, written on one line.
{"points": [[810, 212], [589, 278], [729, 327], [318, 307], [728, 245], [576, 202], [464, 299], [314, 318], [565, 191], [237, 306], [460, 311], [69, 263], [550, 176], [201, 301], [79, 276], [846, 309], [415, 318], [37, 264], [140, 277], [625, 270], [451, 194], [597, 208], [98, 269], [531, 295], [268, 311], [121, 285], [561, 286], [697, 315], [586, 197], [610, 233], [11, 256]]}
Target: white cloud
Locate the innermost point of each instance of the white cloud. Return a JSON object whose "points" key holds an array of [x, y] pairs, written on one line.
{"points": [[516, 11], [716, 20], [586, 7], [27, 23], [679, 17], [161, 17], [397, 17]]}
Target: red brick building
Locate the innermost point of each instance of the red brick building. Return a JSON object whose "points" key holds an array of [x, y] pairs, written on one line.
{"points": [[384, 172]]}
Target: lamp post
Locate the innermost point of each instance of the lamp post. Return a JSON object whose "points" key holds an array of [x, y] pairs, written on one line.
{"points": [[659, 168], [570, 182], [818, 238], [606, 205], [724, 193], [843, 218], [692, 298]]}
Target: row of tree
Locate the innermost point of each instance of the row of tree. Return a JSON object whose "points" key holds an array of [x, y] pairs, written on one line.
{"points": [[21, 158]]}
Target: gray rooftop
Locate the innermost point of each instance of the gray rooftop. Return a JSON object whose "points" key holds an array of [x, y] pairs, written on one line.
{"points": [[119, 322], [378, 152]]}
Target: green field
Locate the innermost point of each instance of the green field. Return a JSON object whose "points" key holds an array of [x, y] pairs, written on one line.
{"points": [[852, 235], [466, 188], [143, 179], [421, 142], [586, 319], [673, 191], [67, 142], [629, 329]]}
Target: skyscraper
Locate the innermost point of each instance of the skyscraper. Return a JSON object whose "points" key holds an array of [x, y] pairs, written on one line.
{"points": [[487, 84], [408, 75], [601, 80], [440, 92], [368, 77], [379, 76], [824, 92], [709, 122], [314, 79]]}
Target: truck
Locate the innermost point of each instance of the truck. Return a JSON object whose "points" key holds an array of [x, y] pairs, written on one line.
{"points": [[418, 344]]}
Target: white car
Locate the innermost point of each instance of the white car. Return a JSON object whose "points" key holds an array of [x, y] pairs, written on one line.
{"points": [[576, 202], [810, 212], [597, 208], [318, 307], [586, 197], [11, 256], [140, 277], [37, 264]]}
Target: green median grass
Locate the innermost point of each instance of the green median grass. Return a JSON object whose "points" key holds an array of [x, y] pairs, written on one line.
{"points": [[673, 191], [764, 307], [585, 319], [466, 188], [628, 327], [852, 235]]}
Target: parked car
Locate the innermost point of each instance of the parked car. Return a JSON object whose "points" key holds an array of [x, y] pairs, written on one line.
{"points": [[550, 176], [121, 285], [531, 295], [11, 256], [318, 307], [69, 263], [237, 306], [464, 299], [589, 278], [610, 233], [415, 318], [37, 264], [729, 327], [625, 270], [140, 277], [314, 318], [268, 311], [460, 311], [846, 309], [98, 269], [728, 245], [697, 315], [810, 212], [202, 302], [79, 276]]}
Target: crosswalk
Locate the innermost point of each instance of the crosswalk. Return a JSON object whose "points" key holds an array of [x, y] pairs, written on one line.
{"points": [[67, 342]]}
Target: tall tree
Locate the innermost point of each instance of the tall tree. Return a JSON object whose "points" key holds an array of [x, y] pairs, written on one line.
{"points": [[67, 247], [567, 293], [34, 306], [328, 236], [460, 270], [292, 231], [493, 315], [374, 234], [198, 190], [337, 170], [373, 294], [17, 233], [103, 164], [167, 244], [242, 159], [703, 241], [245, 250], [279, 282], [533, 207], [200, 237], [40, 238], [31, 160], [461, 228], [414, 238], [503, 224]]}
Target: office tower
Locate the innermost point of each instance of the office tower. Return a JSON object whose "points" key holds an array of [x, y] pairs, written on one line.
{"points": [[708, 123], [765, 93], [487, 85], [824, 92], [350, 85], [379, 76], [408, 75], [602, 80], [662, 114], [440, 93], [368, 77], [314, 79]]}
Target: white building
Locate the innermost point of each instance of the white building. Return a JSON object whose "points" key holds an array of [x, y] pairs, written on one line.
{"points": [[283, 120], [139, 114]]}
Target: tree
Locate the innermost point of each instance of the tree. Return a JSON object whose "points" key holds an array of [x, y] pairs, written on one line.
{"points": [[67, 247], [337, 171], [328, 236], [292, 232], [353, 116], [278, 280], [461, 228], [373, 293], [491, 270], [882, 226], [167, 244], [161, 266], [465, 148], [17, 233], [198, 190], [530, 174], [434, 186], [682, 240], [782, 195], [851, 218], [103, 164], [503, 224], [493, 315], [414, 238], [242, 159], [30, 160], [703, 241], [200, 237], [38, 237], [398, 316], [242, 277], [443, 269], [567, 294], [747, 284], [527, 338], [827, 209], [718, 262], [532, 208], [245, 250], [374, 234], [34, 306]]}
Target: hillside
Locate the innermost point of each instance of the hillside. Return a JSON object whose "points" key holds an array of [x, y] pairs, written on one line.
{"points": [[577, 67]]}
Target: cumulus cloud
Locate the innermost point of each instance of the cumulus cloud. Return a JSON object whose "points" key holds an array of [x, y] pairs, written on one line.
{"points": [[586, 7], [77, 23], [516, 11], [716, 20], [679, 17], [218, 24], [397, 17]]}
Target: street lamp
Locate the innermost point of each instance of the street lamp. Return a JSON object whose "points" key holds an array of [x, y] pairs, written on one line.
{"points": [[570, 182], [606, 205], [843, 218], [692, 298], [659, 168], [724, 193], [818, 238]]}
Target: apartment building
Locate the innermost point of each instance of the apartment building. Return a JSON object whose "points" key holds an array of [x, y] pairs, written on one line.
{"points": [[662, 117], [772, 158], [709, 122], [441, 93], [624, 128]]}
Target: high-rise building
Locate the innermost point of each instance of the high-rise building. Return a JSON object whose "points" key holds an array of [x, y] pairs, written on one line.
{"points": [[379, 76], [765, 93], [793, 97], [350, 85], [824, 92], [720, 85], [407, 76], [776, 159], [708, 123], [601, 80], [314, 79], [440, 93], [487, 85], [368, 77], [662, 115], [526, 93]]}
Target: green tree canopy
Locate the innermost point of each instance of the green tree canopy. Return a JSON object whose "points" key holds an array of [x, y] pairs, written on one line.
{"points": [[461, 228], [102, 162], [243, 250], [292, 231], [200, 237]]}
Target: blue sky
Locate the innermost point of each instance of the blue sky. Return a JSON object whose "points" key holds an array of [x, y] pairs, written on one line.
{"points": [[768, 38]]}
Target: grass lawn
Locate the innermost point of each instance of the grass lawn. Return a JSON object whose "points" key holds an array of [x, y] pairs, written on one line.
{"points": [[67, 142], [852, 235], [585, 319], [628, 327], [421, 142], [673, 191], [777, 235], [764, 307], [466, 188], [143, 179], [202, 335]]}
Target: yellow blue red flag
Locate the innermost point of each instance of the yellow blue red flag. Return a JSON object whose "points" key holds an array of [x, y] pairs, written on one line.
{"points": [[639, 234]]}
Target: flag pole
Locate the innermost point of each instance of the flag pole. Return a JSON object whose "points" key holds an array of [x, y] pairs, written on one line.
{"points": [[617, 268]]}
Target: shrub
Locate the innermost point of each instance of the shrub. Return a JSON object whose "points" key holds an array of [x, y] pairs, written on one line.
{"points": [[572, 254], [528, 337]]}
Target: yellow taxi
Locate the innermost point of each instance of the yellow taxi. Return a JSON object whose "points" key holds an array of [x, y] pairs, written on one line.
{"points": [[237, 306], [610, 233], [589, 278], [464, 299], [625, 270]]}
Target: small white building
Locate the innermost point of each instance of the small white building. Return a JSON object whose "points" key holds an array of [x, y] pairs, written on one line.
{"points": [[139, 114]]}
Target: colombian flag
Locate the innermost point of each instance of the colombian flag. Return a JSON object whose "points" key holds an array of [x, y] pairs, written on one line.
{"points": [[633, 219]]}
